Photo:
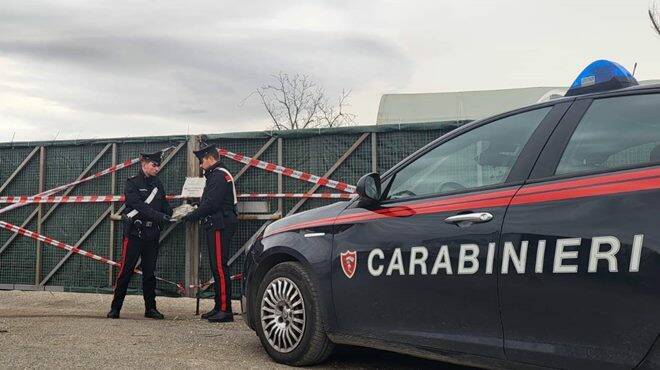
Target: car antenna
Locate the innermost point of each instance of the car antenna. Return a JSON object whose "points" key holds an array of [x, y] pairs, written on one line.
{"points": [[634, 69]]}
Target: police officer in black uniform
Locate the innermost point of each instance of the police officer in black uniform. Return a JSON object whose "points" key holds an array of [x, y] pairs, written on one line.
{"points": [[217, 209], [145, 213]]}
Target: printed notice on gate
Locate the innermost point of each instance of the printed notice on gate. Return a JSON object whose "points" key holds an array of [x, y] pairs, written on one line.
{"points": [[193, 187]]}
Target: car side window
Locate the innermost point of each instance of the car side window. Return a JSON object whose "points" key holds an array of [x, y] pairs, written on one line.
{"points": [[480, 157], [613, 133]]}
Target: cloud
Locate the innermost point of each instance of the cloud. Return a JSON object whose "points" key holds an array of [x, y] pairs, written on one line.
{"points": [[74, 66], [145, 67]]}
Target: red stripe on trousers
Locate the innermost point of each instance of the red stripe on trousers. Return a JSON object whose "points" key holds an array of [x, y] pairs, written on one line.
{"points": [[123, 259], [221, 271]]}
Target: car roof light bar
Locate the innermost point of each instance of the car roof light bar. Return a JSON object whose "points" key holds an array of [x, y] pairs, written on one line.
{"points": [[601, 75]]}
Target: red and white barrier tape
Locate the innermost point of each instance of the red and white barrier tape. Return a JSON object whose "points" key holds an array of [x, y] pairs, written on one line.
{"points": [[304, 176], [71, 199], [108, 170], [238, 276], [298, 195], [62, 199], [24, 232], [47, 197], [120, 198]]}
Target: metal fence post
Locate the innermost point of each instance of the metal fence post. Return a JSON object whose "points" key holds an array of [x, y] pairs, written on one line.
{"points": [[280, 182], [192, 228], [113, 191], [42, 178]]}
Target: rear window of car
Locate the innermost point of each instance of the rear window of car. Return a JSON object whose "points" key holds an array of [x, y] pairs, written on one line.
{"points": [[614, 133]]}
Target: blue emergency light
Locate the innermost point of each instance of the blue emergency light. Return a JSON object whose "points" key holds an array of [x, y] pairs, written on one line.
{"points": [[601, 75]]}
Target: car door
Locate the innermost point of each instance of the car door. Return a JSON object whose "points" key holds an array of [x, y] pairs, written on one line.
{"points": [[418, 268], [584, 238]]}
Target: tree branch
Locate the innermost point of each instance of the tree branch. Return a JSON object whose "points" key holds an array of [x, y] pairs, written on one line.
{"points": [[296, 101]]}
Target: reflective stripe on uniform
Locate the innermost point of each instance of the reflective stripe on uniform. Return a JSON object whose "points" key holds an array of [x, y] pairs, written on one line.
{"points": [[122, 262], [221, 271], [231, 179], [149, 199]]}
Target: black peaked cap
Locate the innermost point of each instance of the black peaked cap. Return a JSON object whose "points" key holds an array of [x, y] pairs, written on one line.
{"points": [[153, 157], [208, 149]]}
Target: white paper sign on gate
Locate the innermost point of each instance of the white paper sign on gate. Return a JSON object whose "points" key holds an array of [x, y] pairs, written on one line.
{"points": [[193, 187]]}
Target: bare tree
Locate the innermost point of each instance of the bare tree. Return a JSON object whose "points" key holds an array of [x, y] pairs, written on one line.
{"points": [[295, 102], [654, 14]]}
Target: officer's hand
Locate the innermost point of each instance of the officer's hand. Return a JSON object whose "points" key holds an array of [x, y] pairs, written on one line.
{"points": [[166, 218], [176, 218]]}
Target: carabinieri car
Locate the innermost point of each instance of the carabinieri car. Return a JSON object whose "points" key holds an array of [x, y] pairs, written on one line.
{"points": [[526, 240]]}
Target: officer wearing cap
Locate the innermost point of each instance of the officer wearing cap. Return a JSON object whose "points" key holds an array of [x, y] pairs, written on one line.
{"points": [[217, 210], [145, 213]]}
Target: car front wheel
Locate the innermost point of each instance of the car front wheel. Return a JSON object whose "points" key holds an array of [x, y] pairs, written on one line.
{"points": [[290, 323]]}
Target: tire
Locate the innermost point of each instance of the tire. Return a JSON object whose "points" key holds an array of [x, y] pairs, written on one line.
{"points": [[291, 329]]}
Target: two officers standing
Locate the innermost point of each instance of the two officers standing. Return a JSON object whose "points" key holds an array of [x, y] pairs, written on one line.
{"points": [[147, 210]]}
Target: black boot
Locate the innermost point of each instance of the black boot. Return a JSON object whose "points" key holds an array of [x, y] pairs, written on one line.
{"points": [[221, 316], [113, 314], [153, 313], [210, 313]]}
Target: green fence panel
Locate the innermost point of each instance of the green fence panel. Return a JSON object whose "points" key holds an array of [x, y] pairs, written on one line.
{"points": [[313, 151]]}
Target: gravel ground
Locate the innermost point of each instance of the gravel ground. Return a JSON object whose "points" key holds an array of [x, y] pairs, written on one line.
{"points": [[65, 330]]}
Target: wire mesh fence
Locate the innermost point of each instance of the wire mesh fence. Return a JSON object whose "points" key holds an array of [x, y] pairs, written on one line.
{"points": [[348, 151]]}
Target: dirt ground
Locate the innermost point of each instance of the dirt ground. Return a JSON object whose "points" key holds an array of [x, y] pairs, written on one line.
{"points": [[65, 330]]}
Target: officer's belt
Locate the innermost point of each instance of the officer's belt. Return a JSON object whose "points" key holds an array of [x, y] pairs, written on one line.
{"points": [[223, 211]]}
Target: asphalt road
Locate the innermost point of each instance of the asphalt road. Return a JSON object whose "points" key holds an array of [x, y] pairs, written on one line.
{"points": [[64, 330]]}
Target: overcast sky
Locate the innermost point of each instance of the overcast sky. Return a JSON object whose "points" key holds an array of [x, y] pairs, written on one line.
{"points": [[108, 69]]}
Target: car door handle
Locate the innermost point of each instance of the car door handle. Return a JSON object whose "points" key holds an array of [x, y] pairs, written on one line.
{"points": [[476, 217]]}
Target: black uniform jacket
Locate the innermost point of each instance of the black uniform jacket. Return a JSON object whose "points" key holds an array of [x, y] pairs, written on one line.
{"points": [[217, 207], [144, 219]]}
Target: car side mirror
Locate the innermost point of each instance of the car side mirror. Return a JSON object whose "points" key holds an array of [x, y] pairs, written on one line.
{"points": [[368, 188]]}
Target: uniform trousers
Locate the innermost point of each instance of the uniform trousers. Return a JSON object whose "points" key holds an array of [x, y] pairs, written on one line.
{"points": [[218, 242], [132, 249]]}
